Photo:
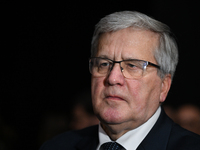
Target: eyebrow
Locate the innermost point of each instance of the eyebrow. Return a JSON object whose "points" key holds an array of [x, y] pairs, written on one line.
{"points": [[107, 57], [129, 58], [104, 56]]}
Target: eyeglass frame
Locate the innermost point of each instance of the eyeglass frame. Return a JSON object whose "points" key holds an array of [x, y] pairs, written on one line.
{"points": [[114, 62]]}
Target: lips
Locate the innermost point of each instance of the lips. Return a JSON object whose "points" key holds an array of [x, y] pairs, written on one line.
{"points": [[114, 94], [114, 97]]}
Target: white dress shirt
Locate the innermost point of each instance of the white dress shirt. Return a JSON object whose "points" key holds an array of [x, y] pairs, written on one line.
{"points": [[131, 139]]}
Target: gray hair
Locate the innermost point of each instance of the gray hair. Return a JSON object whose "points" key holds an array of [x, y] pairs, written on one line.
{"points": [[166, 53]]}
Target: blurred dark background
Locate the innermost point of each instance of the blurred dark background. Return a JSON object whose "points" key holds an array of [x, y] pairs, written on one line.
{"points": [[44, 58]]}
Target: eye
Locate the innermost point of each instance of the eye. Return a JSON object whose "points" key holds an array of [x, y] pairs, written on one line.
{"points": [[131, 65], [104, 64]]}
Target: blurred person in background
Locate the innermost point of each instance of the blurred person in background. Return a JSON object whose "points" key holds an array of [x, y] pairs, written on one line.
{"points": [[52, 124], [82, 114], [170, 111], [188, 116]]}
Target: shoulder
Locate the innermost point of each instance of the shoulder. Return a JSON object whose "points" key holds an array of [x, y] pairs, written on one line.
{"points": [[168, 135], [69, 140], [180, 138], [183, 139]]}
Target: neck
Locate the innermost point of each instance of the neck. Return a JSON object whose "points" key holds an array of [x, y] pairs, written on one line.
{"points": [[115, 131]]}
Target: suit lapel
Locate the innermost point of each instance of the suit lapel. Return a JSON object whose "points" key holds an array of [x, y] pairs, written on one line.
{"points": [[90, 141], [87, 144], [158, 137]]}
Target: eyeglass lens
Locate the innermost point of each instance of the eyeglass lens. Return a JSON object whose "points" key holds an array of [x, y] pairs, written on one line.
{"points": [[130, 68]]}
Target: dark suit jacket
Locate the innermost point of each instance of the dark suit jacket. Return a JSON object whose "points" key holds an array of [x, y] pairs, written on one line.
{"points": [[165, 135]]}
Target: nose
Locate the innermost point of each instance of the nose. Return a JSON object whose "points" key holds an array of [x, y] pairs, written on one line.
{"points": [[115, 77]]}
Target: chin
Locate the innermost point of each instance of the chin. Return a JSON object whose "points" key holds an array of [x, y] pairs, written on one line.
{"points": [[111, 116]]}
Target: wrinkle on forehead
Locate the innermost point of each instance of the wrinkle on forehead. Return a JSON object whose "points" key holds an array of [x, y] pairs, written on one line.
{"points": [[129, 42]]}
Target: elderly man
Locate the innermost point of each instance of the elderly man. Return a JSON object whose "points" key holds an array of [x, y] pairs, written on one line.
{"points": [[133, 60]]}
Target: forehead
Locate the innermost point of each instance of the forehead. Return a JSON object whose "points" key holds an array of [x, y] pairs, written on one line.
{"points": [[128, 43]]}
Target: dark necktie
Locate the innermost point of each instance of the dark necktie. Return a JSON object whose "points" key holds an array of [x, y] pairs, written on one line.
{"points": [[111, 146]]}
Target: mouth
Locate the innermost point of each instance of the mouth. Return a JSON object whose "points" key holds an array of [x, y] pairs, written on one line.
{"points": [[111, 97]]}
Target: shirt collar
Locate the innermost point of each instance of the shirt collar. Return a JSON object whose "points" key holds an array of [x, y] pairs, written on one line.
{"points": [[133, 138]]}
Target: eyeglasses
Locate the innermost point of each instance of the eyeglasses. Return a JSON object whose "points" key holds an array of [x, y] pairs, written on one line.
{"points": [[131, 69]]}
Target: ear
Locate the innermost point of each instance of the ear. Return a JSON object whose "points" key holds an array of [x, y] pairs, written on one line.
{"points": [[166, 84]]}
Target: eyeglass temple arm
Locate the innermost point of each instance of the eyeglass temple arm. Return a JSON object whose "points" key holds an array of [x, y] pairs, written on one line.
{"points": [[149, 63]]}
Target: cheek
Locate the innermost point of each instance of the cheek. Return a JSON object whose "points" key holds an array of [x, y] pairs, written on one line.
{"points": [[142, 95], [149, 96], [134, 90], [96, 88], [144, 89], [135, 93]]}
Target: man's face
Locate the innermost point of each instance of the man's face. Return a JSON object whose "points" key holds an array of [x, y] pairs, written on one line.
{"points": [[116, 99]]}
